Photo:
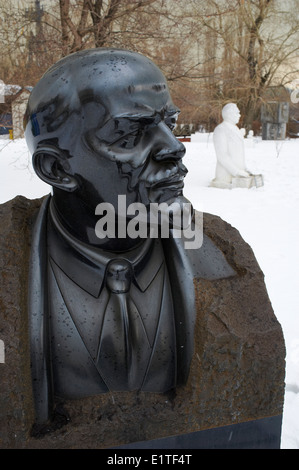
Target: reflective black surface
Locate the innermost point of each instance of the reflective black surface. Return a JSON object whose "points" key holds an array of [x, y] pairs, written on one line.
{"points": [[99, 124], [112, 313]]}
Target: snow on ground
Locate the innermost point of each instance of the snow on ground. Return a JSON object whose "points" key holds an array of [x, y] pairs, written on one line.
{"points": [[267, 218]]}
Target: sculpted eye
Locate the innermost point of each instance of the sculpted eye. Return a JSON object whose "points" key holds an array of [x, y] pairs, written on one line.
{"points": [[129, 141], [170, 121]]}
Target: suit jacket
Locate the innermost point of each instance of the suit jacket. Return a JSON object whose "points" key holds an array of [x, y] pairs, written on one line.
{"points": [[72, 370]]}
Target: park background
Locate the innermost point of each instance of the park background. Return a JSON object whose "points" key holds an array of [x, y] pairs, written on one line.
{"points": [[212, 52]]}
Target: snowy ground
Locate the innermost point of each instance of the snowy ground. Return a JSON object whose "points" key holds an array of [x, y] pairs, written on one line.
{"points": [[267, 219]]}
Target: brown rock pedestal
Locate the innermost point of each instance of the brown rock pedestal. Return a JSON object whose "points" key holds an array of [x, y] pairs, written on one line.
{"points": [[235, 391]]}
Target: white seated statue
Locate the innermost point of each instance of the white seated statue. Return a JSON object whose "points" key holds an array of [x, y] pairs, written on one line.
{"points": [[228, 140]]}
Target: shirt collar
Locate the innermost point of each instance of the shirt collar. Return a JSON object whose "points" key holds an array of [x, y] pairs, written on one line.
{"points": [[86, 265]]}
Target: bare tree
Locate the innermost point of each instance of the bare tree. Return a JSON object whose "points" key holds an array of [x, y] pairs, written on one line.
{"points": [[211, 51], [254, 44], [28, 42], [95, 22]]}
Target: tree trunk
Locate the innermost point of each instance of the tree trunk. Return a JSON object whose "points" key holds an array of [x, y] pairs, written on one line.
{"points": [[64, 6]]}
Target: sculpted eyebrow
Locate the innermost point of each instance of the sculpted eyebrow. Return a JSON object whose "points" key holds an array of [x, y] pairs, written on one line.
{"points": [[150, 116], [120, 126], [172, 112], [136, 119]]}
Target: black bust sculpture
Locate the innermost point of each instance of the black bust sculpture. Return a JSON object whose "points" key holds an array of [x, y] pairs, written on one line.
{"points": [[108, 313]]}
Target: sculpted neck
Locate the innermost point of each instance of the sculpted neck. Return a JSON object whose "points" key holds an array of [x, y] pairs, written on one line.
{"points": [[80, 220], [230, 123], [230, 126]]}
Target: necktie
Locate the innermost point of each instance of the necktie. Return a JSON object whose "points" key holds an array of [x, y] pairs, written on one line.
{"points": [[124, 349]]}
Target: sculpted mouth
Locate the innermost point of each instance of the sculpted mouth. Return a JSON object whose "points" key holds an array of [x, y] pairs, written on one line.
{"points": [[167, 177], [176, 181]]}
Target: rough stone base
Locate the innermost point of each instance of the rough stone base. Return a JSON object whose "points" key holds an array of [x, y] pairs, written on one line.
{"points": [[237, 372], [16, 407]]}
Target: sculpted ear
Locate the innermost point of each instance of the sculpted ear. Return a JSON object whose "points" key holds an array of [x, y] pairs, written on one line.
{"points": [[51, 166]]}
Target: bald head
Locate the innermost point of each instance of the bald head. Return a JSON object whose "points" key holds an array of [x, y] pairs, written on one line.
{"points": [[86, 89], [99, 124], [231, 113]]}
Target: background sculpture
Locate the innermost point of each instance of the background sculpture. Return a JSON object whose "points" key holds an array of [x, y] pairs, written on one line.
{"points": [[228, 140]]}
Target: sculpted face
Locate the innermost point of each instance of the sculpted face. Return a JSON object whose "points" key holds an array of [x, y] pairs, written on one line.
{"points": [[136, 153], [111, 116], [231, 113]]}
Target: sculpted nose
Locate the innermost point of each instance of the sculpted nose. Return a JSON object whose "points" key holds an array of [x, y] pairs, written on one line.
{"points": [[166, 145]]}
